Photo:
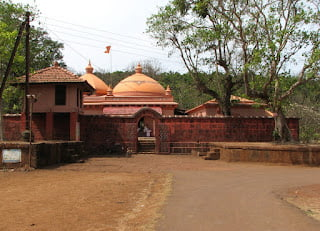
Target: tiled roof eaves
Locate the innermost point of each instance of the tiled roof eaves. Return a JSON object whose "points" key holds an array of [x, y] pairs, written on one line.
{"points": [[51, 82], [51, 75]]}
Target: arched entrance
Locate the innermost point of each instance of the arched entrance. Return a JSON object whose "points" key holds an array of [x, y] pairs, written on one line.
{"points": [[146, 129], [147, 120]]}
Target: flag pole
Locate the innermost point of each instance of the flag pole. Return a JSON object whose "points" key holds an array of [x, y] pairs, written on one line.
{"points": [[111, 69], [107, 51]]}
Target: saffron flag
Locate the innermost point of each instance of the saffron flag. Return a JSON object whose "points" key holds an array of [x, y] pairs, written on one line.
{"points": [[107, 49]]}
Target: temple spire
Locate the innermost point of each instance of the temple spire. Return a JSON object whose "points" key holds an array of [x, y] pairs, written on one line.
{"points": [[89, 68]]}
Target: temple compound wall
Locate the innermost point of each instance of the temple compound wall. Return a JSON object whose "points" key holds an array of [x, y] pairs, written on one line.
{"points": [[172, 134], [176, 134]]}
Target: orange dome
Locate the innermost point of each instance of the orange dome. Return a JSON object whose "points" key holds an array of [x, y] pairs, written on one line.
{"points": [[100, 87], [138, 84]]}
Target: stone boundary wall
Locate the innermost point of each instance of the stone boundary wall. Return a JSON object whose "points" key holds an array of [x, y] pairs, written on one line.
{"points": [[42, 153], [224, 129], [295, 154], [103, 134], [176, 134], [184, 134], [189, 147], [14, 125]]}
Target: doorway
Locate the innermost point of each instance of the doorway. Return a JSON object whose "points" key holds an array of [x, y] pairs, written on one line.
{"points": [[146, 135], [61, 127]]}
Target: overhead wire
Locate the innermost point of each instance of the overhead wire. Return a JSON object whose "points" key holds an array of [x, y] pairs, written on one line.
{"points": [[103, 42], [91, 34], [95, 29], [136, 46], [116, 50]]}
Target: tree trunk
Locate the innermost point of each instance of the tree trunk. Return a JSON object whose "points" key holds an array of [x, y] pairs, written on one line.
{"points": [[225, 106], [281, 129]]}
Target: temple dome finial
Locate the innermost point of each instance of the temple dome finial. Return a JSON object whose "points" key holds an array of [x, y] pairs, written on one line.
{"points": [[138, 68], [101, 88], [89, 68]]}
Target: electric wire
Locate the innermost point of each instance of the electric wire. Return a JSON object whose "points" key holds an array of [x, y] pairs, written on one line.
{"points": [[91, 34], [95, 29], [99, 35], [135, 46], [103, 42]]}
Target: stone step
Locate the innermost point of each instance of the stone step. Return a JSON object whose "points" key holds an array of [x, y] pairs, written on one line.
{"points": [[147, 142], [142, 152], [146, 146], [146, 149]]}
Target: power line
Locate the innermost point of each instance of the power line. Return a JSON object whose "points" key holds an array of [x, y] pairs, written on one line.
{"points": [[74, 50], [135, 46], [103, 42], [115, 50], [111, 38], [95, 29]]}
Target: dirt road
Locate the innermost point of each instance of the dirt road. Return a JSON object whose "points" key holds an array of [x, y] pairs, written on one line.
{"points": [[127, 194], [239, 197]]}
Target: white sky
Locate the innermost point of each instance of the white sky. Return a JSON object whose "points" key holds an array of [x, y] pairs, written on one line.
{"points": [[87, 27]]}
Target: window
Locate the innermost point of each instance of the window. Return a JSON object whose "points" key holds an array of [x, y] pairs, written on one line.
{"points": [[60, 95]]}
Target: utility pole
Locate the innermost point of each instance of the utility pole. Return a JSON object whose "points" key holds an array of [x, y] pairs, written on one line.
{"points": [[27, 72]]}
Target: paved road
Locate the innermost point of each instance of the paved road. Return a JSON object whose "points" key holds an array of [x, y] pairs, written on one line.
{"points": [[237, 197]]}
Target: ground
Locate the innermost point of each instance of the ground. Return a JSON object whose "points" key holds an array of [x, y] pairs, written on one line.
{"points": [[141, 192], [306, 198]]}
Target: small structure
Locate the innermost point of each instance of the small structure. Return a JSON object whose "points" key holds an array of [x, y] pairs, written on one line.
{"points": [[59, 102], [240, 107]]}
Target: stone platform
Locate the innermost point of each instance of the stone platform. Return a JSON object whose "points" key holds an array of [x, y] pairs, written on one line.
{"points": [[296, 154], [18, 154]]}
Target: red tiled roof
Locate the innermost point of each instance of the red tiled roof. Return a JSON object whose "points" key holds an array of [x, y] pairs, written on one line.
{"points": [[242, 107], [54, 74]]}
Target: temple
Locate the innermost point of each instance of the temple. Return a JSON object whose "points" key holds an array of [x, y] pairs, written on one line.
{"points": [[138, 114]]}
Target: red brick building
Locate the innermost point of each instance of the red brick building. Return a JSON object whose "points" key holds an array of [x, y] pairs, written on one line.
{"points": [[58, 105]]}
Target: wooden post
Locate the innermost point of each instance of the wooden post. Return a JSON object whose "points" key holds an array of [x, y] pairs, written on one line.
{"points": [[27, 71]]}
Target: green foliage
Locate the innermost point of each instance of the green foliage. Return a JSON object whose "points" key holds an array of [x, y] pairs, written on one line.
{"points": [[43, 50], [305, 104], [183, 89], [12, 99]]}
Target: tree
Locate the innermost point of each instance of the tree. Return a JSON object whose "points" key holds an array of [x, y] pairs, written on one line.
{"points": [[305, 104], [262, 41], [202, 46], [43, 52], [183, 90]]}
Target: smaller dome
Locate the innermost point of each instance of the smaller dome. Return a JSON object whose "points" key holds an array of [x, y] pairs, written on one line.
{"points": [[101, 88], [138, 84]]}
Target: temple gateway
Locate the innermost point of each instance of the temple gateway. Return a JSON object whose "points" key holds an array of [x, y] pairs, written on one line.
{"points": [[137, 115]]}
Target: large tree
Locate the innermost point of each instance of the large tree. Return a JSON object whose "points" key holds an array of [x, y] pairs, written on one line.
{"points": [[202, 45], [43, 51], [262, 41]]}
